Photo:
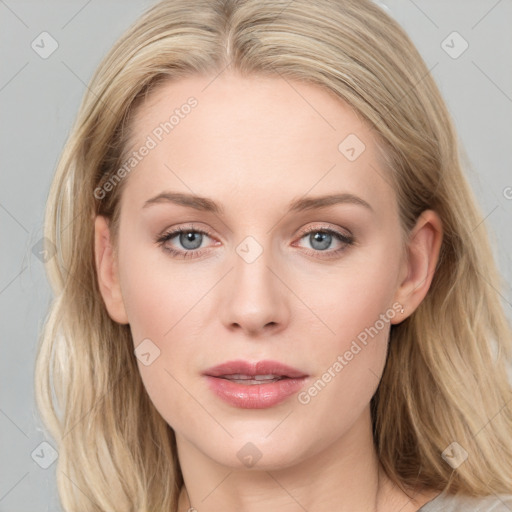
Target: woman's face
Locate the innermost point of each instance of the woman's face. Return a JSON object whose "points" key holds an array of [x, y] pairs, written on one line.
{"points": [[289, 266]]}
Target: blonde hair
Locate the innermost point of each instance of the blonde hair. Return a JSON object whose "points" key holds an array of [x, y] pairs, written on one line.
{"points": [[445, 379]]}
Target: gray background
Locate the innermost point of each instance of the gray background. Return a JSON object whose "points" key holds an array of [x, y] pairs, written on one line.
{"points": [[39, 99]]}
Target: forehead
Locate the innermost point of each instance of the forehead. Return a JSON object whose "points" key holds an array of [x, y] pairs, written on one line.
{"points": [[252, 135]]}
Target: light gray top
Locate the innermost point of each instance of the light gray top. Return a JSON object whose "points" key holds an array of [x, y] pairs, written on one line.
{"points": [[450, 503]]}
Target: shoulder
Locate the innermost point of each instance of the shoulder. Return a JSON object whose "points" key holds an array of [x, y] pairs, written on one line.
{"points": [[463, 503]]}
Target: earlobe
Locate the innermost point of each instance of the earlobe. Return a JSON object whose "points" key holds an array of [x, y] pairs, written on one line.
{"points": [[106, 269], [423, 250]]}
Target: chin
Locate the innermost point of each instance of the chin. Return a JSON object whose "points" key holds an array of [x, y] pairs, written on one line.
{"points": [[257, 453]]}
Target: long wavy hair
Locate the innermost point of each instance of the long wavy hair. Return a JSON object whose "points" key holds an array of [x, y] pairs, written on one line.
{"points": [[445, 378]]}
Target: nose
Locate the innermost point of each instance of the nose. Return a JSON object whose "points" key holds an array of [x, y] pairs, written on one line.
{"points": [[254, 299]]}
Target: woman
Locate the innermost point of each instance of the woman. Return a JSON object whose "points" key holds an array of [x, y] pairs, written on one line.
{"points": [[271, 291]]}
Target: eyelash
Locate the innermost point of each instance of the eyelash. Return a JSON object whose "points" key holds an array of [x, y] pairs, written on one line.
{"points": [[165, 237]]}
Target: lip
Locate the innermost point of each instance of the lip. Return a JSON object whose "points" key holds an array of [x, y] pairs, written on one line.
{"points": [[254, 396]]}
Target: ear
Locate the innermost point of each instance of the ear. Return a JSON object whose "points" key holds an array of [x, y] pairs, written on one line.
{"points": [[422, 252], [106, 269]]}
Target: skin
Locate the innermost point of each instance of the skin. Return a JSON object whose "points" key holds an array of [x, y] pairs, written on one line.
{"points": [[253, 145]]}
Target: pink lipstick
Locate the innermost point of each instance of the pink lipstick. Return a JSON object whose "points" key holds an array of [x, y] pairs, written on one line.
{"points": [[255, 385]]}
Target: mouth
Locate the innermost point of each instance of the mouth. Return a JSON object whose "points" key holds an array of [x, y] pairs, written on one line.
{"points": [[259, 371], [254, 385], [250, 380]]}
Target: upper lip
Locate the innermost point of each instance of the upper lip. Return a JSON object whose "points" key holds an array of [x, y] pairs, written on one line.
{"points": [[252, 369]]}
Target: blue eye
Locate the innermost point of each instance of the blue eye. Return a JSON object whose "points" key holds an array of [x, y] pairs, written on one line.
{"points": [[191, 239], [322, 239]]}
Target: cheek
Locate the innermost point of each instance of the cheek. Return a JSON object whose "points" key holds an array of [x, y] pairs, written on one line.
{"points": [[352, 298], [355, 305], [163, 301], [156, 292], [157, 301], [357, 308]]}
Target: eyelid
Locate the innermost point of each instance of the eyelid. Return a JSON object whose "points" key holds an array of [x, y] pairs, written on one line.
{"points": [[328, 228], [184, 228]]}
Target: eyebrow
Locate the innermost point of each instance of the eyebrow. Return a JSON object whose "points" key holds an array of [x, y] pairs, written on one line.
{"points": [[297, 205]]}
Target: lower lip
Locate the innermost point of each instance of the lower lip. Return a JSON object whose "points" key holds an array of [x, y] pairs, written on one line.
{"points": [[254, 396]]}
